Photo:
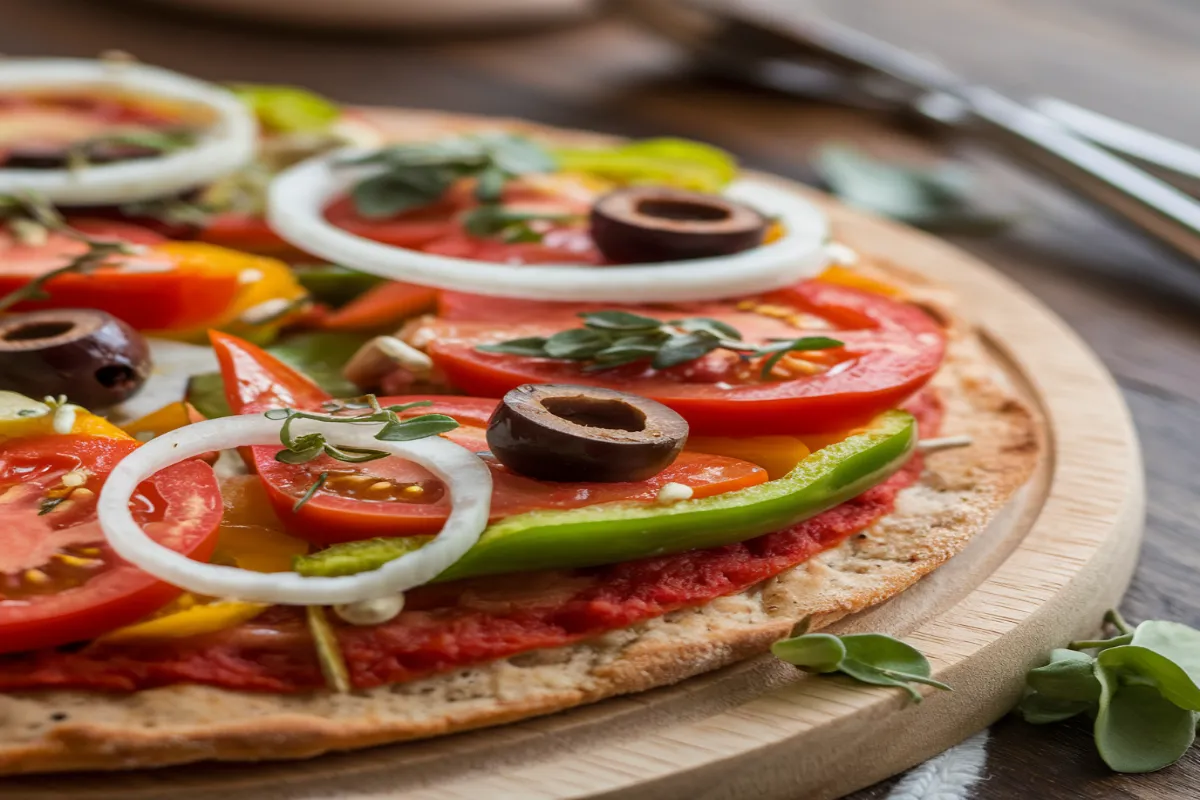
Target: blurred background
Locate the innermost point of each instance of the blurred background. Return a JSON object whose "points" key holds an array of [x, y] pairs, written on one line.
{"points": [[597, 65]]}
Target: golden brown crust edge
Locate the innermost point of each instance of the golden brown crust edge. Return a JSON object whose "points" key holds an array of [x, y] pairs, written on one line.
{"points": [[959, 493]]}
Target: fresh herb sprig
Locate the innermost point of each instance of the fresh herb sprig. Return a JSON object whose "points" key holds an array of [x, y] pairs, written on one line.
{"points": [[492, 220], [872, 658], [307, 447], [31, 219], [413, 175], [168, 140], [1141, 685], [611, 339]]}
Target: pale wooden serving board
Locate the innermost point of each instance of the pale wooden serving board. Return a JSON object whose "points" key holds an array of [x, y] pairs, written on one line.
{"points": [[1043, 573]]}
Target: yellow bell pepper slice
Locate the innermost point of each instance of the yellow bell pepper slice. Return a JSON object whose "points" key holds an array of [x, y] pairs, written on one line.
{"points": [[250, 534], [193, 621], [844, 276], [22, 417], [776, 454], [261, 306], [168, 418]]}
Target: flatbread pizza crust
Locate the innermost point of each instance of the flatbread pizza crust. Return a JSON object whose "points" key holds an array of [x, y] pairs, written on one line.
{"points": [[958, 494]]}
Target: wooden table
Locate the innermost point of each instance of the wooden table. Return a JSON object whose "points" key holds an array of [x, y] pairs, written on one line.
{"points": [[1139, 308]]}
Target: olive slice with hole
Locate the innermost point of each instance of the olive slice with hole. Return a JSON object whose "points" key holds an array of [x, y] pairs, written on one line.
{"points": [[93, 358], [58, 156], [584, 433], [654, 223]]}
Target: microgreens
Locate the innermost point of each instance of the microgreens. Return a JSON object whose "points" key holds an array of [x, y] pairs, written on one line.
{"points": [[31, 218], [866, 657], [611, 339], [306, 447], [1142, 686], [509, 225], [415, 175]]}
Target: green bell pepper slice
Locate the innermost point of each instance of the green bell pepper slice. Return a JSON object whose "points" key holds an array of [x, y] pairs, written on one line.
{"points": [[614, 532]]}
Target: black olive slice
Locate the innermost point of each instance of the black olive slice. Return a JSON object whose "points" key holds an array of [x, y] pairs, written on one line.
{"points": [[93, 358], [584, 433], [653, 223]]}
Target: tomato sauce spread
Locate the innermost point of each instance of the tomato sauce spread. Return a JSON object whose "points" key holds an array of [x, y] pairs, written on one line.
{"points": [[449, 626]]}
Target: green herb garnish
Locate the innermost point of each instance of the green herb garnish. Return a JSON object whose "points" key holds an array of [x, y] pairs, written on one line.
{"points": [[304, 448], [49, 504], [1142, 687], [26, 213], [494, 220], [83, 153], [415, 175], [611, 339], [866, 657]]}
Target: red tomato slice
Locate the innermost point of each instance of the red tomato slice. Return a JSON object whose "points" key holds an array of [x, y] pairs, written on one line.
{"points": [[891, 349], [391, 496], [148, 299], [250, 234], [59, 580]]}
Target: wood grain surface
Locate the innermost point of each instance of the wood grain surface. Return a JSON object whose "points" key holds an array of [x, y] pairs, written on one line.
{"points": [[1139, 309]]}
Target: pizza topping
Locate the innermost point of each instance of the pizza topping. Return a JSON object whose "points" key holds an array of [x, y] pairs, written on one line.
{"points": [[467, 479], [613, 338], [650, 223], [225, 142], [302, 198], [97, 359], [371, 612], [606, 534], [59, 579], [584, 433]]}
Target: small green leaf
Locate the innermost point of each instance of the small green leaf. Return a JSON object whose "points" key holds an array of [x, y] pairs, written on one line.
{"points": [[322, 356], [619, 321], [334, 285], [682, 349], [1137, 729], [576, 344], [1037, 709], [1148, 666], [817, 652], [417, 428], [300, 456], [517, 155], [1069, 676], [713, 326], [935, 197], [353, 455], [206, 393], [867, 673], [1177, 642], [530, 346], [388, 194], [489, 187]]}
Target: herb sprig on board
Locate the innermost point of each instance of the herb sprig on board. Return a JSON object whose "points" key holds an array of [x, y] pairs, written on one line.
{"points": [[30, 220], [416, 175], [1141, 685], [872, 658], [307, 447], [611, 339]]}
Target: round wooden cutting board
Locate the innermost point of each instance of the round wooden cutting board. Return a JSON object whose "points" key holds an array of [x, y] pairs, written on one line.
{"points": [[1043, 573]]}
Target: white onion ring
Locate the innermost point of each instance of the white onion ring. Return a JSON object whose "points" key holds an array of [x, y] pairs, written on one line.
{"points": [[467, 479], [226, 144], [298, 196]]}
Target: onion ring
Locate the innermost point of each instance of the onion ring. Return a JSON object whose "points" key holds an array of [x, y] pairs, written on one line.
{"points": [[298, 196], [225, 145], [467, 479]]}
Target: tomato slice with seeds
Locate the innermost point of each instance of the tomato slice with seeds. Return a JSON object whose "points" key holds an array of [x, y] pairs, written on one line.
{"points": [[890, 350], [394, 497], [60, 582]]}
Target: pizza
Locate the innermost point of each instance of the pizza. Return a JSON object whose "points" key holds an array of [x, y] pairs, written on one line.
{"points": [[324, 428]]}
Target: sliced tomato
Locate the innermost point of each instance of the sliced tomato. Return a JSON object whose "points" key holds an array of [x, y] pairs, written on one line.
{"points": [[411, 229], [249, 233], [144, 290], [60, 582], [890, 350], [391, 496]]}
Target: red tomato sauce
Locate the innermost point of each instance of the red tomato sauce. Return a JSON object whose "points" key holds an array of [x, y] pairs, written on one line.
{"points": [[469, 622]]}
